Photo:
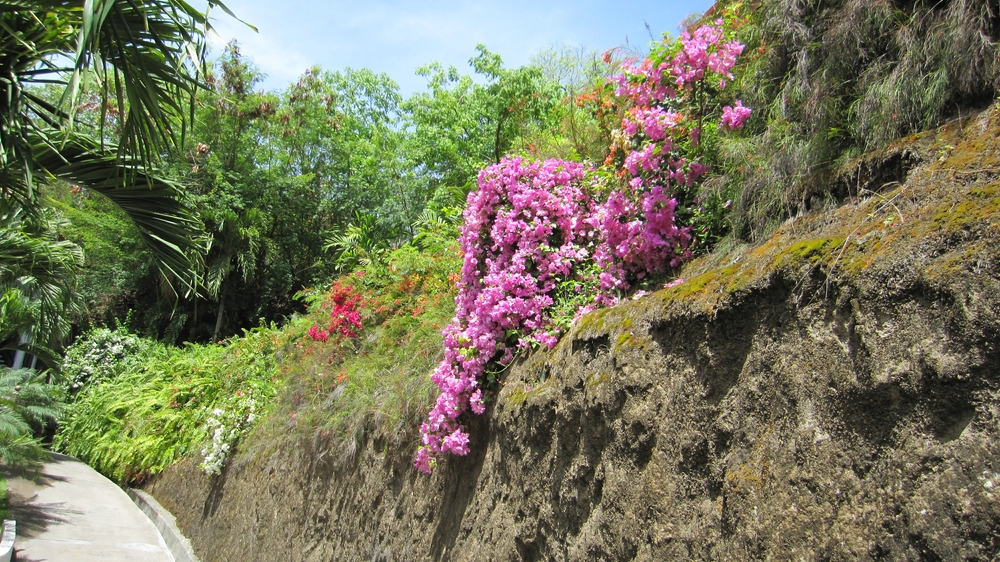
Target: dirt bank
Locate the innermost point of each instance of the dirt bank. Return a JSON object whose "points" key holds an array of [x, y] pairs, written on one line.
{"points": [[832, 394]]}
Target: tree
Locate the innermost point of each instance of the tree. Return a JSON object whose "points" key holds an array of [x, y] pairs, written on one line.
{"points": [[342, 131], [37, 281], [586, 111], [459, 125], [226, 180], [141, 58]]}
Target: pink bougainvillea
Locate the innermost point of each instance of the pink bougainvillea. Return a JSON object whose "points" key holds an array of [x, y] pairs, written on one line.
{"points": [[524, 231], [733, 117], [532, 226]]}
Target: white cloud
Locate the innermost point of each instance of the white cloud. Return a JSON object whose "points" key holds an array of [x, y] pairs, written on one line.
{"points": [[282, 61]]}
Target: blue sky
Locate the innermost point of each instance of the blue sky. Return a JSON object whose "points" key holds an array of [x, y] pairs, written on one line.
{"points": [[396, 37]]}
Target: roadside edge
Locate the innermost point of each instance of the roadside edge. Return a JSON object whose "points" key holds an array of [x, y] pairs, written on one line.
{"points": [[178, 545]]}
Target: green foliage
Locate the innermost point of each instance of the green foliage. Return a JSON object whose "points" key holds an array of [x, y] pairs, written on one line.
{"points": [[573, 294], [132, 53], [293, 187], [377, 384], [37, 279], [4, 502], [117, 266], [828, 80], [156, 408], [274, 175], [709, 220], [341, 132], [27, 403], [145, 405], [101, 355], [586, 112], [362, 243], [461, 124]]}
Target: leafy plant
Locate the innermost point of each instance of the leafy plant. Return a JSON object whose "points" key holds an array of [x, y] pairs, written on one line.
{"points": [[102, 354], [138, 422], [27, 403], [133, 54], [37, 280]]}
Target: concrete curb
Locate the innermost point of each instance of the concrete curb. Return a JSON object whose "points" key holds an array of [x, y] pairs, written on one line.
{"points": [[7, 543], [178, 545]]}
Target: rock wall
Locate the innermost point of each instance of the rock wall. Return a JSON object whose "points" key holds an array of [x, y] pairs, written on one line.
{"points": [[832, 394]]}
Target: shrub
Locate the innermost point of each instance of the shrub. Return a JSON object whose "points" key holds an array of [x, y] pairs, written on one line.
{"points": [[102, 354], [540, 237], [159, 406]]}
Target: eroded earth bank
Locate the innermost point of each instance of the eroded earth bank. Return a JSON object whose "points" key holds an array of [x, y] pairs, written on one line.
{"points": [[833, 394]]}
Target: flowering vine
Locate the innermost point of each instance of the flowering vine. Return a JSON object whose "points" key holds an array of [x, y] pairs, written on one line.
{"points": [[523, 232], [534, 228]]}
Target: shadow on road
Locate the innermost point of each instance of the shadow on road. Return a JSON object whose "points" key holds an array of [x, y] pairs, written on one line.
{"points": [[22, 487], [34, 518]]}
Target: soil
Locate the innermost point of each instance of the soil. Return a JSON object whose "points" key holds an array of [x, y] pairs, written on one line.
{"points": [[832, 394]]}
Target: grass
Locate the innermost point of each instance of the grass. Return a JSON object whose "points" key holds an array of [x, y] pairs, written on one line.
{"points": [[340, 392], [4, 502], [829, 81]]}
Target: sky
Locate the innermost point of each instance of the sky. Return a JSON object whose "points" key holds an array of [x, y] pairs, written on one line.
{"points": [[397, 37]]}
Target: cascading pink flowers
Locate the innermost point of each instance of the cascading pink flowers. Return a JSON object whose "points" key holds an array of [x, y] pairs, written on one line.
{"points": [[523, 232], [532, 225]]}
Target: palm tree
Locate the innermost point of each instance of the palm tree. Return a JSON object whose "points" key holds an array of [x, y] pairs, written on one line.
{"points": [[27, 404], [143, 56], [37, 282]]}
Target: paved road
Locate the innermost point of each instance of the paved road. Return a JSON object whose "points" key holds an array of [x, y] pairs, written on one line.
{"points": [[72, 513]]}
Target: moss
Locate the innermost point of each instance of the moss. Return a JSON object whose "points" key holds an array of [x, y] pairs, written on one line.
{"points": [[985, 192], [623, 340], [808, 251], [628, 340], [740, 277], [689, 287], [752, 475], [597, 379], [516, 394], [593, 321], [961, 216]]}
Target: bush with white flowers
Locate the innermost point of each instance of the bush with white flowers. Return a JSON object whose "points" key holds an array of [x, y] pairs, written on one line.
{"points": [[102, 354]]}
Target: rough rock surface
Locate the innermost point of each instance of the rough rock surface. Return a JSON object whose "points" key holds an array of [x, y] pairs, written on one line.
{"points": [[833, 394]]}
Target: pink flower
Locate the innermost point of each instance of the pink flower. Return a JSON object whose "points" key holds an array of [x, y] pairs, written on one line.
{"points": [[530, 227], [734, 117], [318, 335]]}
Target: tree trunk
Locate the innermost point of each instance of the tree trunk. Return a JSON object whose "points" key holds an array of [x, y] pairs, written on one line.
{"points": [[194, 319], [19, 355], [222, 305]]}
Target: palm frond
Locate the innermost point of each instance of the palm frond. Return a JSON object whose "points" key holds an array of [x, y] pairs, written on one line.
{"points": [[37, 280], [166, 225], [148, 56]]}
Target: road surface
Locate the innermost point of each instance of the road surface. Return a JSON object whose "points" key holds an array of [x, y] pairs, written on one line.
{"points": [[72, 513]]}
